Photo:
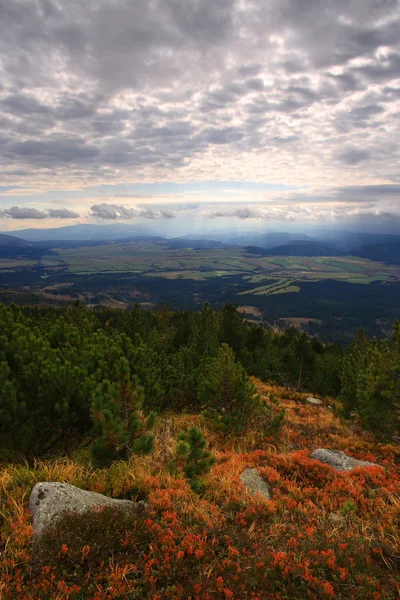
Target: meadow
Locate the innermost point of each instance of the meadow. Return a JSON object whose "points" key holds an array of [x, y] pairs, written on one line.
{"points": [[160, 261], [270, 275], [323, 535], [152, 273]]}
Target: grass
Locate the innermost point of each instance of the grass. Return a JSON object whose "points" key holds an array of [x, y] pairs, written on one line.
{"points": [[285, 290], [11, 263], [276, 287], [199, 275], [224, 543], [262, 275]]}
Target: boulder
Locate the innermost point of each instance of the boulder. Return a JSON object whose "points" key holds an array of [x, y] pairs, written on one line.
{"points": [[49, 500], [253, 481], [313, 401], [336, 519], [340, 461]]}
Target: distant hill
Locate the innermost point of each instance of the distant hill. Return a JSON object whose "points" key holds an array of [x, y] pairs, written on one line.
{"points": [[196, 244], [270, 239], [82, 232], [388, 253], [14, 247], [354, 240], [297, 248], [11, 240]]}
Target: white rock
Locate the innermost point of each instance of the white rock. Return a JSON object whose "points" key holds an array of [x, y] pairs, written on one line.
{"points": [[253, 481], [340, 461], [49, 500], [336, 519], [313, 401]]}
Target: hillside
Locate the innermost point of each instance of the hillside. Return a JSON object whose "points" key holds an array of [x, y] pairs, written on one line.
{"points": [[172, 409], [11, 240], [282, 283], [12, 247], [323, 535], [388, 253], [298, 248]]}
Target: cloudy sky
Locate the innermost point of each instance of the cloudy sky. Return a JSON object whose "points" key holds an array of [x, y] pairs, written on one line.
{"points": [[274, 113]]}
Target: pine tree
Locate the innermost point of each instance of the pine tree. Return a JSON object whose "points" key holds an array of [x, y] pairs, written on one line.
{"points": [[328, 371], [191, 449], [233, 329], [378, 386], [120, 427], [205, 336], [12, 412], [226, 393], [353, 364]]}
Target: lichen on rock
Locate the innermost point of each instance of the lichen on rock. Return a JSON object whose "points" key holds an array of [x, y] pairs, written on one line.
{"points": [[49, 500], [340, 461]]}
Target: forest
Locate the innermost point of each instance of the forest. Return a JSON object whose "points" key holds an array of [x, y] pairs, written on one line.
{"points": [[66, 374]]}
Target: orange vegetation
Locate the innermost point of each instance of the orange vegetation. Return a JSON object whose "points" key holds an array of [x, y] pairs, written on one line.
{"points": [[323, 535]]}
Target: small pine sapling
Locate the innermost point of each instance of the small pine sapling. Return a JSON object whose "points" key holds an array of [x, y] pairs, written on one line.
{"points": [[191, 453]]}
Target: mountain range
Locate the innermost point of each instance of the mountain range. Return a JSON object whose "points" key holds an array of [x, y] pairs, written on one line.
{"points": [[33, 243]]}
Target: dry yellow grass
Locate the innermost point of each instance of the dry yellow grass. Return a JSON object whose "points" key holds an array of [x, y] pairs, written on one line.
{"points": [[305, 494]]}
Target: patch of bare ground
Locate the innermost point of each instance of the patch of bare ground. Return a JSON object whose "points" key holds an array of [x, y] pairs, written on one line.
{"points": [[298, 322], [250, 311]]}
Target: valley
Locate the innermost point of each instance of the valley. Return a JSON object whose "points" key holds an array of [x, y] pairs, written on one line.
{"points": [[323, 292]]}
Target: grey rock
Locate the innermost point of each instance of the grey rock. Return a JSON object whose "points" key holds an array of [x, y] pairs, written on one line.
{"points": [[314, 401], [340, 461], [49, 500], [253, 481], [336, 519]]}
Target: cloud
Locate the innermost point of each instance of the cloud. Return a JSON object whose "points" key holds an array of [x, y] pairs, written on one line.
{"points": [[285, 213], [113, 212], [118, 212], [120, 91], [353, 156], [17, 212], [62, 213], [370, 192]]}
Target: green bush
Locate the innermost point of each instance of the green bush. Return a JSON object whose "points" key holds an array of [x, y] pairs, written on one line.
{"points": [[191, 451], [120, 428], [226, 394]]}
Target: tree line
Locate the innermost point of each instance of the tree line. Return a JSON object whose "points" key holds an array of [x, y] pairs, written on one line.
{"points": [[69, 373]]}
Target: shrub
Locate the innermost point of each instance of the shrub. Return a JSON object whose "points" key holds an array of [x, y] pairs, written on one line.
{"points": [[348, 508], [191, 451], [226, 393], [120, 428]]}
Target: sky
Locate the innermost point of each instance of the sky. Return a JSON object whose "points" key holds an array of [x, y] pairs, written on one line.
{"points": [[245, 113]]}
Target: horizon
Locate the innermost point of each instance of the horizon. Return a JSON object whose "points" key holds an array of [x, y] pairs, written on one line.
{"points": [[191, 116], [229, 235]]}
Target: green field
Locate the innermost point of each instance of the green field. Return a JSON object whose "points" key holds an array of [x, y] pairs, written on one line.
{"points": [[263, 275], [14, 263]]}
